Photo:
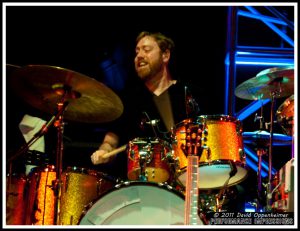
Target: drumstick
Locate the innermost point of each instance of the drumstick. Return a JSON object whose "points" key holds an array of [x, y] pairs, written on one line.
{"points": [[115, 151]]}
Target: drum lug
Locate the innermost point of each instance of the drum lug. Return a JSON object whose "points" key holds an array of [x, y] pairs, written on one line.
{"points": [[208, 153], [67, 182], [242, 154], [99, 185]]}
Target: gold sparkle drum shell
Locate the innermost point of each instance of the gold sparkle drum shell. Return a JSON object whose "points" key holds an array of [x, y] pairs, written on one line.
{"points": [[41, 199], [285, 116], [16, 199], [79, 187], [221, 150]]}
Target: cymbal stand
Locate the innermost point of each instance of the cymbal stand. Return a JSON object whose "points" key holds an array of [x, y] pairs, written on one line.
{"points": [[269, 188], [260, 151], [59, 124]]}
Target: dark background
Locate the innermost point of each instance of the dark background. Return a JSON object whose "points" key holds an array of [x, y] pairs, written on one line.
{"points": [[84, 38]]}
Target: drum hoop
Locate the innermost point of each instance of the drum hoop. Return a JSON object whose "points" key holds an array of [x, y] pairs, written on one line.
{"points": [[90, 172], [143, 140], [127, 184], [48, 167], [202, 119], [220, 161], [217, 162], [16, 175], [81, 170], [223, 161]]}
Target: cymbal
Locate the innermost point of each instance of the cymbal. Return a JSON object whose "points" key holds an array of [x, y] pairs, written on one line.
{"points": [[88, 100], [277, 81], [263, 138], [285, 115], [10, 68]]}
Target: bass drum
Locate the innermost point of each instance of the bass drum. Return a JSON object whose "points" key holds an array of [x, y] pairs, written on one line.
{"points": [[137, 203], [80, 186]]}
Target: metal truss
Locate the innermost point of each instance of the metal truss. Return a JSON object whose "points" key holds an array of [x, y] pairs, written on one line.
{"points": [[257, 37]]}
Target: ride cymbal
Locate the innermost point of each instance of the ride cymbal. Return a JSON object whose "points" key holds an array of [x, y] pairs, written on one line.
{"points": [[88, 100], [274, 81]]}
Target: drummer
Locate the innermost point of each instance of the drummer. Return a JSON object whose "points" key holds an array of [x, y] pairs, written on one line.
{"points": [[153, 103]]}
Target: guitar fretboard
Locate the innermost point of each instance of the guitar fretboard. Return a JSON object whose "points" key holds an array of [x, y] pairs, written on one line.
{"points": [[191, 193]]}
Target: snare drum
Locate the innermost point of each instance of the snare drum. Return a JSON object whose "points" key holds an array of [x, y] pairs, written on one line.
{"points": [[41, 200], [220, 151], [137, 203], [150, 155], [79, 187]]}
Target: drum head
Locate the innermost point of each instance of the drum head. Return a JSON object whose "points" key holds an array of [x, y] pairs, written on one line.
{"points": [[214, 176], [139, 203]]}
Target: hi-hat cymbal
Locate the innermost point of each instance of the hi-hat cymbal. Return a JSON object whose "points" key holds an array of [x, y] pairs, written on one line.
{"points": [[43, 87], [263, 138], [276, 81], [285, 115]]}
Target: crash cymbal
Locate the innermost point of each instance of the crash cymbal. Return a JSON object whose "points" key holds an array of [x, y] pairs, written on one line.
{"points": [[285, 115], [263, 138], [10, 68], [43, 87], [277, 81]]}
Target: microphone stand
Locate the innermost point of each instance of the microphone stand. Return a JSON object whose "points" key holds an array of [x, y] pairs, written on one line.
{"points": [[35, 137], [39, 134]]}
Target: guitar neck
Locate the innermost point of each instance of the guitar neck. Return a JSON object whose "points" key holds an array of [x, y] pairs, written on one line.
{"points": [[191, 192]]}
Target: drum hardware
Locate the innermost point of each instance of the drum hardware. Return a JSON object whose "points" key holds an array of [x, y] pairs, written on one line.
{"points": [[221, 194], [270, 83], [145, 157], [261, 140]]}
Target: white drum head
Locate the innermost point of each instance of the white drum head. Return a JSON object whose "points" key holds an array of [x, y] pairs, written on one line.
{"points": [[139, 203], [215, 176]]}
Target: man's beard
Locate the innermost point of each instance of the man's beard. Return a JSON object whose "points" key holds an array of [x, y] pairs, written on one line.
{"points": [[150, 72]]}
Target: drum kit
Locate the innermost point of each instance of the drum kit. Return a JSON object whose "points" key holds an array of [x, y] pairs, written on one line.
{"points": [[157, 170]]}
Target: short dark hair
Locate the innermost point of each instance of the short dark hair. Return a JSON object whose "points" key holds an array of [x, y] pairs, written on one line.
{"points": [[164, 42]]}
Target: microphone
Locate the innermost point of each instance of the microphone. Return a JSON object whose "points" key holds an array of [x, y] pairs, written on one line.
{"points": [[153, 122], [191, 106]]}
